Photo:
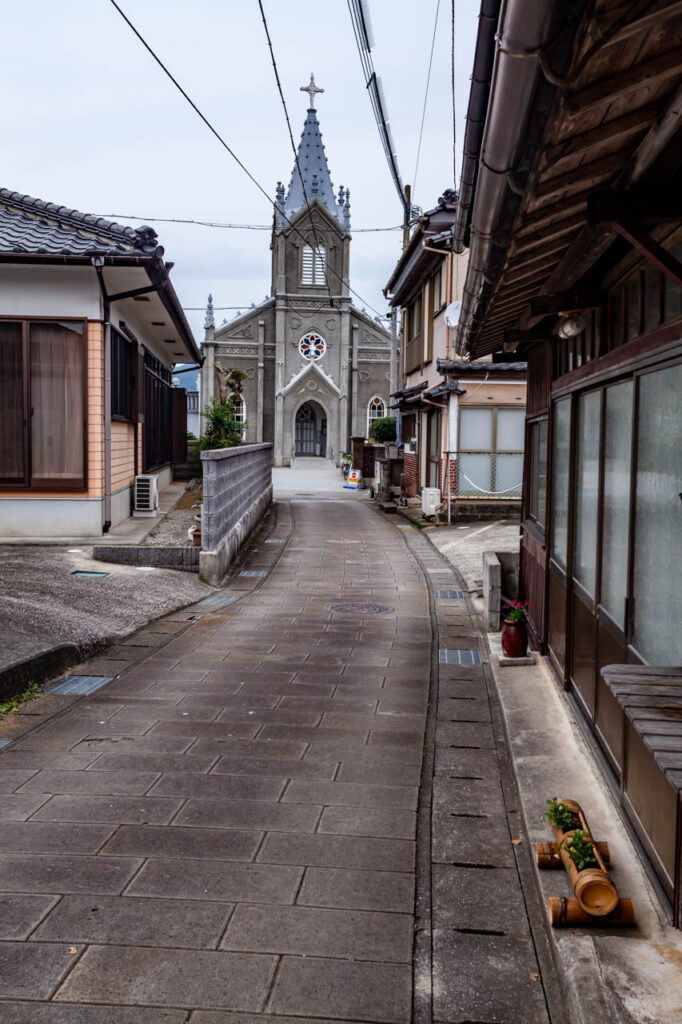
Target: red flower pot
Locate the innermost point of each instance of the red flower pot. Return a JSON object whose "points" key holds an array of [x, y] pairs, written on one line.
{"points": [[514, 638]]}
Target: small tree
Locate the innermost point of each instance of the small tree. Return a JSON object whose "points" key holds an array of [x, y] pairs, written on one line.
{"points": [[382, 430], [221, 428]]}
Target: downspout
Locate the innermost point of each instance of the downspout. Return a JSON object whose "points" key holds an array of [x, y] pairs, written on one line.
{"points": [[98, 263]]}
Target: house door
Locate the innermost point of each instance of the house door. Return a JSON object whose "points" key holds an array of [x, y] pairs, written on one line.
{"points": [[433, 456], [311, 431]]}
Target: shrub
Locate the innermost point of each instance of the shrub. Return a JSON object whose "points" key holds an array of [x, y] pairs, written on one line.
{"points": [[382, 430]]}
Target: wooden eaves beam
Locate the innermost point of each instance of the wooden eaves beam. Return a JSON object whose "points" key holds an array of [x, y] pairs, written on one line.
{"points": [[624, 83], [659, 203], [544, 305], [651, 249], [619, 128]]}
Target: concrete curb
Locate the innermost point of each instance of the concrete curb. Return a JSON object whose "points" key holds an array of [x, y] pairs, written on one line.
{"points": [[38, 668]]}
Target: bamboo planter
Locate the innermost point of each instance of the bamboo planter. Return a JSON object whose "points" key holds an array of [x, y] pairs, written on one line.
{"points": [[596, 901]]}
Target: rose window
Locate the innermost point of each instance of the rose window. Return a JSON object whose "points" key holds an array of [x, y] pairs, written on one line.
{"points": [[312, 346]]}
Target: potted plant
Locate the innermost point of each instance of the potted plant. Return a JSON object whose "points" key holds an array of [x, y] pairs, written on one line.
{"points": [[514, 630]]}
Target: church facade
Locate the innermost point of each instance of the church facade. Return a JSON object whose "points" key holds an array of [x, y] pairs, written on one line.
{"points": [[317, 369]]}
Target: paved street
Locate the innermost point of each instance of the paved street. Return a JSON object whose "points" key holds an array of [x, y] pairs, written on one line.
{"points": [[229, 827]]}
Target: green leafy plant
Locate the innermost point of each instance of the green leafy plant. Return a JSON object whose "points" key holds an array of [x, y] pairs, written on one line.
{"points": [[580, 849], [558, 814], [15, 704], [382, 430], [222, 429], [515, 611]]}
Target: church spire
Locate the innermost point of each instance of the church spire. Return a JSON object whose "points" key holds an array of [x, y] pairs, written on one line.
{"points": [[314, 178]]}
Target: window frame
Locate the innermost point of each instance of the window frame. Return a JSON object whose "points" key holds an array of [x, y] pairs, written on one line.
{"points": [[318, 255], [370, 418], [73, 484], [235, 415], [126, 347], [156, 377]]}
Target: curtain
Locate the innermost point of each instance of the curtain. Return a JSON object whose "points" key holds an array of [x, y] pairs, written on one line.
{"points": [[11, 403], [57, 408]]}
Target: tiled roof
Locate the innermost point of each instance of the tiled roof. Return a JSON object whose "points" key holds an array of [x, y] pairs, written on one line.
{"points": [[35, 227]]}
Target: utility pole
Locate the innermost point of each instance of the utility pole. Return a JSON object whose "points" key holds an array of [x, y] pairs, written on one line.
{"points": [[406, 217]]}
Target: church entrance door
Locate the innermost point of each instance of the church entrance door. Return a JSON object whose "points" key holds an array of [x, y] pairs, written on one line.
{"points": [[311, 430]]}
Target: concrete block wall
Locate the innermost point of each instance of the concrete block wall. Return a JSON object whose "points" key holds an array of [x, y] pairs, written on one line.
{"points": [[237, 492]]}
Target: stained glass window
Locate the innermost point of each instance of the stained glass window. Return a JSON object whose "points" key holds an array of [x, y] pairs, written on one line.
{"points": [[312, 346]]}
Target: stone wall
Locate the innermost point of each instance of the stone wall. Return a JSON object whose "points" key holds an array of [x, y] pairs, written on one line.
{"points": [[237, 492], [185, 559]]}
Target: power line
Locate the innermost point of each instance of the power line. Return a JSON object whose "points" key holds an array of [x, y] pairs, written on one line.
{"points": [[224, 144], [426, 96], [454, 105], [318, 247], [359, 15], [220, 224]]}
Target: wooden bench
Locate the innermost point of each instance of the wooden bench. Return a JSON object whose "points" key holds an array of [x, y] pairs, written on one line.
{"points": [[650, 765]]}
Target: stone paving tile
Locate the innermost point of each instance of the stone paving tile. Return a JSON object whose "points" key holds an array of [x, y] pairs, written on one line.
{"points": [[236, 746], [129, 810], [357, 889], [126, 921], [350, 794], [158, 763], [92, 783], [33, 970], [19, 915], [213, 1017], [34, 836], [219, 787], [97, 745], [379, 774], [466, 734], [466, 795], [217, 881], [217, 730], [478, 899], [174, 841], [278, 767], [372, 992], [37, 759], [12, 778], [65, 874], [250, 814], [63, 1013], [337, 851], [345, 934], [483, 839], [169, 977], [388, 822], [19, 806]]}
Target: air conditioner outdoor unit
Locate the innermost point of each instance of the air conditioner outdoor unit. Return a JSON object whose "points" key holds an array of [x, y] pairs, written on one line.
{"points": [[146, 496], [430, 501]]}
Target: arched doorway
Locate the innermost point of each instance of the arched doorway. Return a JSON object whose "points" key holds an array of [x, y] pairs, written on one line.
{"points": [[311, 430]]}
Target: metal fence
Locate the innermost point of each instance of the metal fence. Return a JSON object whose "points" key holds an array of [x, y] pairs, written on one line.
{"points": [[487, 475]]}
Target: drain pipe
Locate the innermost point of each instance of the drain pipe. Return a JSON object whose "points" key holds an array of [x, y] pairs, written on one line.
{"points": [[98, 263]]}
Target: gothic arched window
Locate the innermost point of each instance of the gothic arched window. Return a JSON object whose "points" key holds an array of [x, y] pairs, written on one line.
{"points": [[312, 346], [313, 265], [376, 410]]}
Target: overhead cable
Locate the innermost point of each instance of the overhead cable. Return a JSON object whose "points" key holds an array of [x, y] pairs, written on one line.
{"points": [[426, 96], [225, 146], [220, 224], [359, 15]]}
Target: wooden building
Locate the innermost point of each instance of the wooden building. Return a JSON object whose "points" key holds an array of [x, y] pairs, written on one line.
{"points": [[570, 209], [90, 327]]}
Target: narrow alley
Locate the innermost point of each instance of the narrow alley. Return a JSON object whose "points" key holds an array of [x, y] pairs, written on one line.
{"points": [[231, 825]]}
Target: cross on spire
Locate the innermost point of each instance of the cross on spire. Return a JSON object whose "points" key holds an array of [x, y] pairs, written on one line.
{"points": [[311, 90]]}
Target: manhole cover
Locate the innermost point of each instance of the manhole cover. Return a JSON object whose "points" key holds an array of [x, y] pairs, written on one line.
{"points": [[360, 608]]}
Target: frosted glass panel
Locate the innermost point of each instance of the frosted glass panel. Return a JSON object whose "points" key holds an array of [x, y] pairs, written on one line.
{"points": [[561, 444], [657, 592], [616, 511], [476, 430], [509, 475], [511, 430], [587, 491], [474, 476]]}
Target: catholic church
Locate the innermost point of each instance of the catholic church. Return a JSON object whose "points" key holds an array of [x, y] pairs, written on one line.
{"points": [[318, 370]]}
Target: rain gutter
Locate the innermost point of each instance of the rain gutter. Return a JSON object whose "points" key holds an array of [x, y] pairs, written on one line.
{"points": [[508, 114]]}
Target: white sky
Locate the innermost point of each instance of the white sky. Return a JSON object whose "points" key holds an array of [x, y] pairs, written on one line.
{"points": [[90, 121]]}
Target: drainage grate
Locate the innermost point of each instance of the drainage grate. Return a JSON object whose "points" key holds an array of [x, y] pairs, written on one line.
{"points": [[217, 602], [457, 594], [79, 684], [458, 656], [274, 540], [418, 544], [91, 575], [360, 608], [253, 572]]}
